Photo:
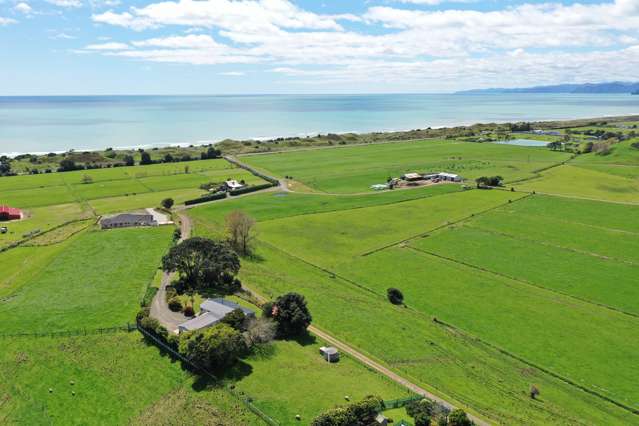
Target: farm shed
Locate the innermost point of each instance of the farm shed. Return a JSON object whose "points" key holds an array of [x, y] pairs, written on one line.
{"points": [[10, 213], [211, 312], [127, 220], [381, 419], [450, 177], [329, 353], [412, 176]]}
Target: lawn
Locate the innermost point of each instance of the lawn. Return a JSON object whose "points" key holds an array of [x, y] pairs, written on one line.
{"points": [[117, 379], [96, 281], [580, 182], [355, 169], [288, 378]]}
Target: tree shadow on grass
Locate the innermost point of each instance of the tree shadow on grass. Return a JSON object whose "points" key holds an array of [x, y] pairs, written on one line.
{"points": [[305, 339]]}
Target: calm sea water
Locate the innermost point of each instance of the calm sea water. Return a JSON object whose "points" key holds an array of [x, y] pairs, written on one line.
{"points": [[45, 124]]}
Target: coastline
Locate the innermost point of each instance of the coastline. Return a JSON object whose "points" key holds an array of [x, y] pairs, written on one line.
{"points": [[388, 131]]}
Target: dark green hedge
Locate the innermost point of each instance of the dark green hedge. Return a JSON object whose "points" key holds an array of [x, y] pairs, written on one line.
{"points": [[248, 189], [204, 199]]}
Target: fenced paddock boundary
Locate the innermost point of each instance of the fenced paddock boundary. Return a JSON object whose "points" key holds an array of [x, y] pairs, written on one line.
{"points": [[242, 398], [70, 333]]}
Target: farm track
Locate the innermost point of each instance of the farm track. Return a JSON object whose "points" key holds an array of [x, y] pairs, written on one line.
{"points": [[159, 308]]}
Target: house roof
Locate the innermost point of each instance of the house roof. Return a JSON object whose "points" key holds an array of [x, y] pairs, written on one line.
{"points": [[329, 350], [412, 175], [233, 184], [216, 309], [221, 307], [10, 210], [450, 175], [201, 321], [128, 218]]}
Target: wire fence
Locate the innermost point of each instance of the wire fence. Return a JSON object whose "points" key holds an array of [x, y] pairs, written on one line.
{"points": [[401, 402], [247, 401], [70, 333]]}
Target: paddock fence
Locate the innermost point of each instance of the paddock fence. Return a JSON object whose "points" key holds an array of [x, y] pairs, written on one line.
{"points": [[246, 400], [70, 333]]}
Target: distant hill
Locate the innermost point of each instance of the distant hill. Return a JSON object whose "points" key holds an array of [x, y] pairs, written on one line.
{"points": [[611, 87]]}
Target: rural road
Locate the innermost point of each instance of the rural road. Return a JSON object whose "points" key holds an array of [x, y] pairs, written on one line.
{"points": [[159, 308]]}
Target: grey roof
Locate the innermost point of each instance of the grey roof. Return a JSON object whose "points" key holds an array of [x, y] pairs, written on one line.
{"points": [[222, 307], [216, 309], [129, 218], [329, 350]]}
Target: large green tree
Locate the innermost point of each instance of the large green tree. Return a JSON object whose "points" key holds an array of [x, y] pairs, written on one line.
{"points": [[291, 314], [202, 263], [214, 347]]}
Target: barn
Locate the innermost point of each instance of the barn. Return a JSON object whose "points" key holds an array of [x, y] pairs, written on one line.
{"points": [[10, 213]]}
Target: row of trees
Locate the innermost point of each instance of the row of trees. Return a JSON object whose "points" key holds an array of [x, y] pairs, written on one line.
{"points": [[488, 181], [426, 412]]}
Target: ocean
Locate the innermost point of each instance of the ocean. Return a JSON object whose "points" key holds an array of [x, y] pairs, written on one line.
{"points": [[55, 124]]}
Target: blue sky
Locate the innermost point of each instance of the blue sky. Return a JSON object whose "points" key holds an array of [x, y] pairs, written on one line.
{"points": [[285, 46]]}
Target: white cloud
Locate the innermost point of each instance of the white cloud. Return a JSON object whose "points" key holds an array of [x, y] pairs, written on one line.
{"points": [[65, 3], [7, 21], [233, 73], [419, 47], [245, 15], [107, 46], [23, 7], [55, 35]]}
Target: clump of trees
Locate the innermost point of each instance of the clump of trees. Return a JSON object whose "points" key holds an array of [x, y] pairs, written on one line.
{"points": [[203, 264], [213, 348], [458, 417], [5, 166], [395, 296], [488, 181], [211, 153], [360, 413], [240, 228], [167, 203], [290, 314]]}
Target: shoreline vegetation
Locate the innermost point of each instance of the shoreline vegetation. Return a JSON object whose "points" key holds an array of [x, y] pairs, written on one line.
{"points": [[550, 131]]}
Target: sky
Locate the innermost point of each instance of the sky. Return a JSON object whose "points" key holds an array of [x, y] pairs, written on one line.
{"points": [[83, 47]]}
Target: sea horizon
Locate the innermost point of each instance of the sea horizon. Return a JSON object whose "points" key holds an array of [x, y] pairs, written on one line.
{"points": [[59, 123]]}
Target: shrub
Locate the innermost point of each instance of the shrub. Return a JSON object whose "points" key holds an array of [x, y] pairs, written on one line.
{"points": [[188, 311], [214, 347], [458, 417], [170, 293], [150, 324], [175, 304], [395, 296], [167, 203], [142, 313], [358, 413], [236, 319]]}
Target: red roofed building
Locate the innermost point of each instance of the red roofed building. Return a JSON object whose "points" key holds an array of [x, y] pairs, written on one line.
{"points": [[9, 213]]}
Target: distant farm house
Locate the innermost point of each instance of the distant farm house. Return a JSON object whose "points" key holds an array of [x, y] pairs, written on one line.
{"points": [[127, 220], [232, 185], [211, 312], [10, 213]]}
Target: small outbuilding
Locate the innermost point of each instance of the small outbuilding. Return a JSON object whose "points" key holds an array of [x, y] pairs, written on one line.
{"points": [[127, 220], [10, 213], [329, 353], [451, 177]]}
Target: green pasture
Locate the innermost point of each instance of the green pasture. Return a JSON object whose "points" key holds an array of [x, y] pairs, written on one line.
{"points": [[289, 378], [332, 238], [622, 153], [96, 281], [117, 379], [21, 265], [276, 205], [591, 234], [579, 182], [140, 201], [37, 197], [43, 219], [355, 169], [447, 362], [14, 183]]}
